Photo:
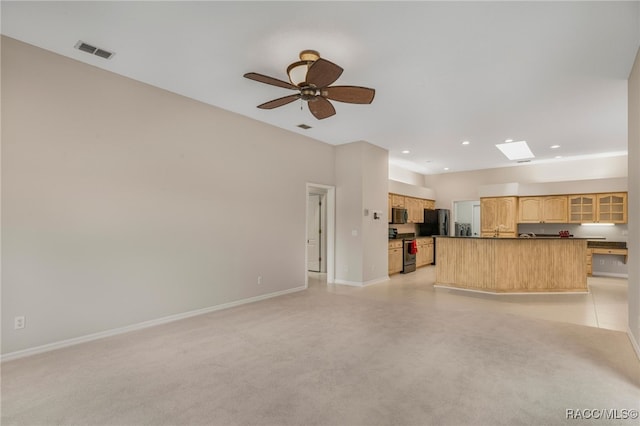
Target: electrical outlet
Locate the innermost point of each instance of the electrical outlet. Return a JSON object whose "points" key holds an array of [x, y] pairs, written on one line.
{"points": [[19, 322], [259, 279]]}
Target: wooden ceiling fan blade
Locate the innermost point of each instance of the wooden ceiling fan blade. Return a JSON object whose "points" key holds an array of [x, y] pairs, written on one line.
{"points": [[269, 80], [349, 94], [279, 102], [321, 108], [322, 73]]}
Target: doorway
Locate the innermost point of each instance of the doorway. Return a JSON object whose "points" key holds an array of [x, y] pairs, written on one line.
{"points": [[466, 216], [320, 233]]}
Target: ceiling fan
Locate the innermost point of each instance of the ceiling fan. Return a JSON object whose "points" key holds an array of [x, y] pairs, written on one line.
{"points": [[312, 77]]}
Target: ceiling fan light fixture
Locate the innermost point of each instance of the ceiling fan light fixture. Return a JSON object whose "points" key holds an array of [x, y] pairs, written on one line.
{"points": [[312, 77], [297, 71]]}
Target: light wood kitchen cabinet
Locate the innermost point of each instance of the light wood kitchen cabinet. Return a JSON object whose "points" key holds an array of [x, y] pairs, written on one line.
{"points": [[389, 211], [589, 262], [548, 209], [582, 208], [595, 208], [415, 206], [612, 208], [498, 216], [397, 201], [415, 209], [395, 257], [425, 252]]}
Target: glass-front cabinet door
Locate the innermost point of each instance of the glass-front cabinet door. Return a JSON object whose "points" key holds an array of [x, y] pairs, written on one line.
{"points": [[582, 208], [612, 208]]}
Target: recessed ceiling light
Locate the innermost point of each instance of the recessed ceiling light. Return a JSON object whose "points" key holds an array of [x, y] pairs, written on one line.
{"points": [[558, 156], [515, 150], [555, 146], [508, 140], [446, 168], [406, 151], [465, 142]]}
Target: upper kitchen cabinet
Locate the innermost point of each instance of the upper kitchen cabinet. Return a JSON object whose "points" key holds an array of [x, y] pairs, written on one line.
{"points": [[612, 208], [548, 209], [498, 216], [595, 208], [398, 201], [582, 208], [429, 204], [415, 209], [414, 206]]}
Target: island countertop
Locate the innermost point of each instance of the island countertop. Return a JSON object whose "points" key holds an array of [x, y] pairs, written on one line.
{"points": [[512, 265], [541, 237]]}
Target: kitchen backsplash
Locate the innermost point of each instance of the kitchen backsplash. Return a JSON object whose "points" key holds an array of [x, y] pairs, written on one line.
{"points": [[609, 233]]}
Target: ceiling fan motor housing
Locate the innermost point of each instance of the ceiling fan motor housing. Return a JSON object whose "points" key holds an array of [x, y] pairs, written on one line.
{"points": [[308, 93]]}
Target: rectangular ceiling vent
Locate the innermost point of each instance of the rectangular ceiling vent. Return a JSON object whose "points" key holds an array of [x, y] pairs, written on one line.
{"points": [[85, 47], [304, 126]]}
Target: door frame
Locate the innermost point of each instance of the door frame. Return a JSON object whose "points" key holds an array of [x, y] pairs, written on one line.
{"points": [[330, 229], [318, 199]]}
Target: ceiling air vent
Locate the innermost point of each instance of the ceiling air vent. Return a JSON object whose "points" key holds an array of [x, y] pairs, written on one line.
{"points": [[304, 126], [85, 47], [524, 161]]}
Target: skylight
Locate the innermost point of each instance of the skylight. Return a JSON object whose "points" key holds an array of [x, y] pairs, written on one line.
{"points": [[515, 150]]}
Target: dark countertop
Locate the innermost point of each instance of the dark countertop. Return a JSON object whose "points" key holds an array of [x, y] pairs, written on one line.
{"points": [[512, 238], [607, 244], [591, 243]]}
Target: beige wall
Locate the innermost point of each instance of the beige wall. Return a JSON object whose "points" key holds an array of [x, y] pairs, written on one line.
{"points": [[634, 202], [361, 241], [123, 203]]}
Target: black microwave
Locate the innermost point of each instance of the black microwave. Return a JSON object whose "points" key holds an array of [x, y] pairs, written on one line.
{"points": [[399, 215]]}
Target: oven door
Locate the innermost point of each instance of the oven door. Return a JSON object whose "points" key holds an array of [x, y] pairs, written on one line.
{"points": [[408, 257]]}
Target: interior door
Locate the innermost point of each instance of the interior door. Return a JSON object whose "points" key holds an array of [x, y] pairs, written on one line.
{"points": [[314, 230]]}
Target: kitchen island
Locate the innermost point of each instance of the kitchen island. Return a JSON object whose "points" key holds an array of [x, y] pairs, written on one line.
{"points": [[512, 265]]}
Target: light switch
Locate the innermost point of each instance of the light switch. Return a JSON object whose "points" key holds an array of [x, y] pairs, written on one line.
{"points": [[354, 232]]}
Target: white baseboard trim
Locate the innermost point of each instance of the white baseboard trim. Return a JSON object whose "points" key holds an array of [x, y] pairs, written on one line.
{"points": [[609, 274], [139, 326], [634, 343], [363, 283]]}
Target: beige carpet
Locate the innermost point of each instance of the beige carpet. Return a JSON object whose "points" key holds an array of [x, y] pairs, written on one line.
{"points": [[399, 353]]}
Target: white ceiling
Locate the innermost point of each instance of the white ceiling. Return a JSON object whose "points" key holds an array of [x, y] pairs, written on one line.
{"points": [[444, 72]]}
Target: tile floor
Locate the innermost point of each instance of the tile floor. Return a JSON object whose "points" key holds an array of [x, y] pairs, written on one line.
{"points": [[604, 307]]}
